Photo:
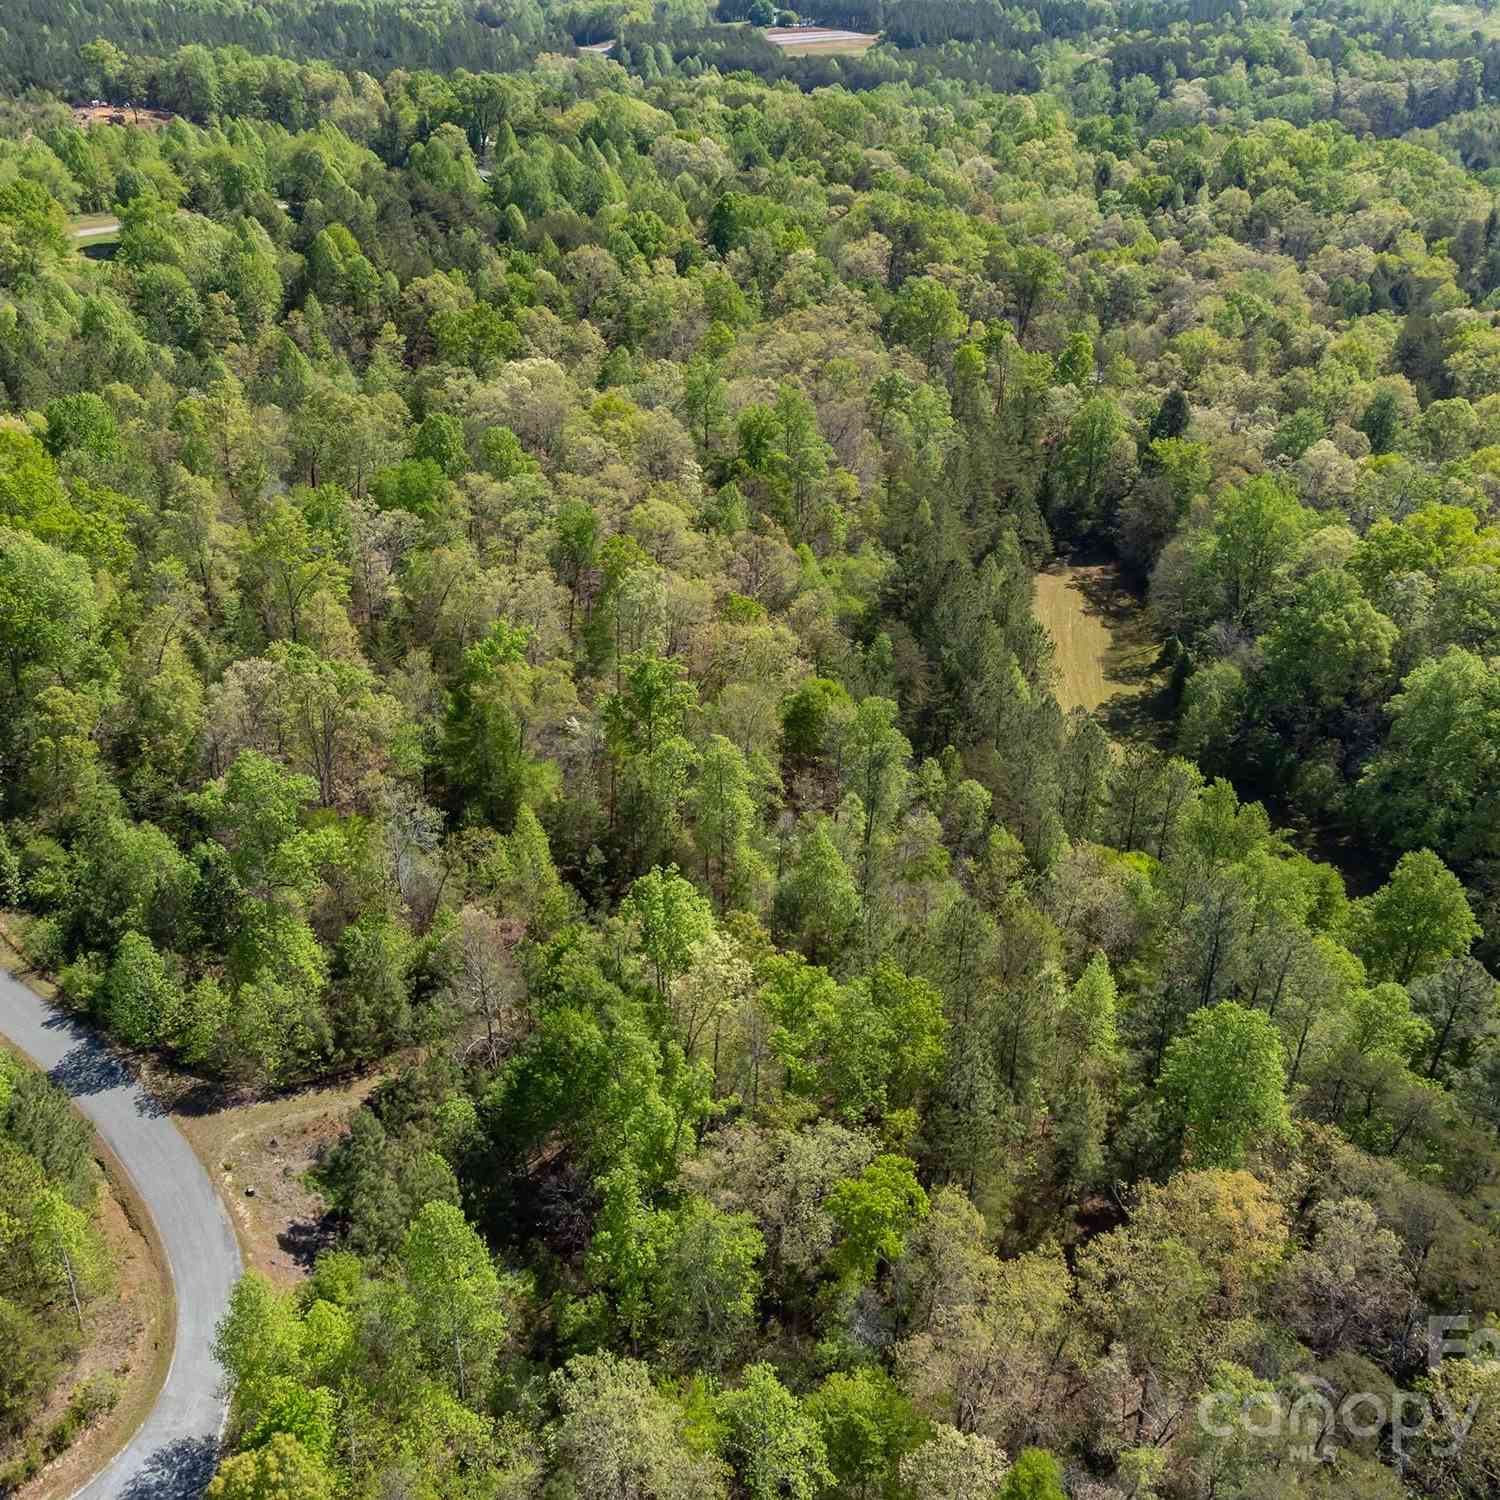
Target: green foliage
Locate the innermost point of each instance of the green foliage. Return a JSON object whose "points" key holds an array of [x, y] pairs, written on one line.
{"points": [[771, 1440], [873, 1213], [673, 921], [1224, 1083], [526, 567], [55, 1265], [1035, 1475], [868, 1426], [280, 1470], [455, 1292], [1415, 922]]}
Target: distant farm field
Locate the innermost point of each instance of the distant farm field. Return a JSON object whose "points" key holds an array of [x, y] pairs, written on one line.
{"points": [[795, 41], [804, 42], [93, 226]]}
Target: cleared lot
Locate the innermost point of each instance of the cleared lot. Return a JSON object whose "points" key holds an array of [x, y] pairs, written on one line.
{"points": [[796, 40], [1107, 660], [810, 39]]}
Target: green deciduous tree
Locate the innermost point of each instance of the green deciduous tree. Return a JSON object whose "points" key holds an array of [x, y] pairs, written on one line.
{"points": [[456, 1294], [615, 1434], [771, 1440], [1415, 922], [874, 1213], [281, 1470], [1035, 1475], [673, 921], [1435, 780], [1224, 1083]]}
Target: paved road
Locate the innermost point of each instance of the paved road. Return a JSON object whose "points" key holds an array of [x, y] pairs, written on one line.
{"points": [[112, 226], [171, 1456]]}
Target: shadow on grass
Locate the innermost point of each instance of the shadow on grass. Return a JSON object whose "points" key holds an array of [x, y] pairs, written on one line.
{"points": [[306, 1239], [1135, 664]]}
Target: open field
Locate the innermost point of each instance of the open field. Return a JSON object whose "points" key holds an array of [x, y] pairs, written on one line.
{"points": [[1467, 18], [807, 41], [92, 228], [1106, 657], [795, 41]]}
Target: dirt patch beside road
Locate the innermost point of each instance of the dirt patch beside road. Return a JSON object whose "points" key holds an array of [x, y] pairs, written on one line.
{"points": [[260, 1153]]}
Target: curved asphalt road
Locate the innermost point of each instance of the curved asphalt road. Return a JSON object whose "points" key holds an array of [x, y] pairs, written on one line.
{"points": [[172, 1455]]}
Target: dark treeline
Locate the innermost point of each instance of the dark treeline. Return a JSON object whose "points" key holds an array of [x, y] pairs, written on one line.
{"points": [[41, 40]]}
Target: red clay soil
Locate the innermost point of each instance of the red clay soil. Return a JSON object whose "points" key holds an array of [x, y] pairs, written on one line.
{"points": [[85, 115]]}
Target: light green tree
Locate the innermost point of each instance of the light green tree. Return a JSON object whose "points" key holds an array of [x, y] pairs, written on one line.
{"points": [[457, 1294], [724, 818], [1415, 922], [1035, 1475], [1224, 1083], [672, 921], [771, 1440], [616, 1435], [818, 903], [70, 1255], [281, 1470], [874, 1213]]}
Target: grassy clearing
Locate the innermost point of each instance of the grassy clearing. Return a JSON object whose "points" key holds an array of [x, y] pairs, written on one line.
{"points": [[1467, 18], [856, 48], [1106, 659], [91, 226], [831, 42]]}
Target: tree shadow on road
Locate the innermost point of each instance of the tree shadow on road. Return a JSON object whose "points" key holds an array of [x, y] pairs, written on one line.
{"points": [[178, 1470], [92, 1066]]}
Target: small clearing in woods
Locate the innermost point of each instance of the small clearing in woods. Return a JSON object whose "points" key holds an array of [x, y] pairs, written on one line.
{"points": [[1106, 658], [807, 41], [268, 1147]]}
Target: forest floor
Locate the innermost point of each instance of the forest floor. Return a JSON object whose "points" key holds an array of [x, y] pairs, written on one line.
{"points": [[129, 1330], [1108, 660]]}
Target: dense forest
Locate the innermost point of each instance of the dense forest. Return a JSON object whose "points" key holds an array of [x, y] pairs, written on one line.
{"points": [[1130, 72], [54, 1266], [517, 571]]}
